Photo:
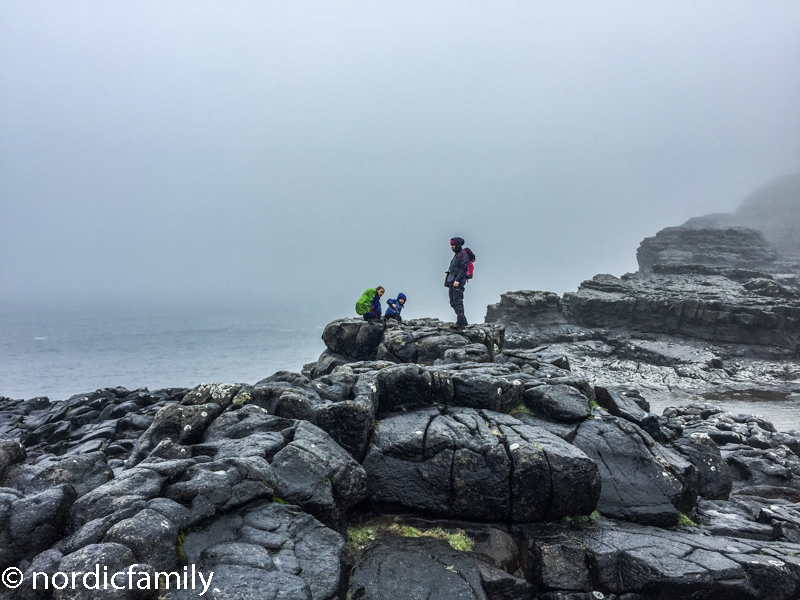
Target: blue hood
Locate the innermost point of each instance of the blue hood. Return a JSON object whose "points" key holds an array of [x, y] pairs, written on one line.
{"points": [[401, 296]]}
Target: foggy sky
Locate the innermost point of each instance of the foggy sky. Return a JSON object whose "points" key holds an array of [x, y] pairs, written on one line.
{"points": [[233, 152]]}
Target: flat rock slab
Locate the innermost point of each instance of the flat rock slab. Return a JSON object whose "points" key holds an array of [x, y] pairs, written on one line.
{"points": [[621, 558], [480, 465]]}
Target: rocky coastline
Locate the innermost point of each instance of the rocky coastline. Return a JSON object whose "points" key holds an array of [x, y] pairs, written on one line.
{"points": [[517, 459]]}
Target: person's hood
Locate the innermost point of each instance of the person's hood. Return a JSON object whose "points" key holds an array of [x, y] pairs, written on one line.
{"points": [[458, 242], [401, 296]]}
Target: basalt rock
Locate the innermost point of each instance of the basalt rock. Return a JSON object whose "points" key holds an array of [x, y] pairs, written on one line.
{"points": [[404, 568], [648, 563], [734, 247], [268, 550], [643, 482], [478, 465], [422, 341], [343, 403]]}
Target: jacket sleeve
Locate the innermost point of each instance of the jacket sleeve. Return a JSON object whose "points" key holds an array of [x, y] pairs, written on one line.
{"points": [[376, 304], [462, 263]]}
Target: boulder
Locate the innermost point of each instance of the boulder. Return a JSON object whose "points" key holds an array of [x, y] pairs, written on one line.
{"points": [[355, 338], [150, 535], [11, 453], [642, 481], [410, 386], [269, 550], [33, 523], [558, 403], [178, 423], [619, 404], [96, 558], [343, 403], [218, 393], [479, 465], [714, 478]]}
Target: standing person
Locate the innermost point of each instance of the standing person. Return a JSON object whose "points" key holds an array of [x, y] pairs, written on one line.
{"points": [[369, 304], [456, 280], [394, 306]]}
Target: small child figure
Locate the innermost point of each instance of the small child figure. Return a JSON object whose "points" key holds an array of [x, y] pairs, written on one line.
{"points": [[395, 306]]}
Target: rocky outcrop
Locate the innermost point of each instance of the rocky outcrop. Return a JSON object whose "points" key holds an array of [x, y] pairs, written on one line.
{"points": [[513, 460], [421, 341], [478, 465], [636, 561], [734, 247]]}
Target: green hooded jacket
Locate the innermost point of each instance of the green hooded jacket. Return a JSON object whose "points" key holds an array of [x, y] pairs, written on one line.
{"points": [[363, 304]]}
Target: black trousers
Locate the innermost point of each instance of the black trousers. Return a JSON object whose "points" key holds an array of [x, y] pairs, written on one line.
{"points": [[457, 299]]}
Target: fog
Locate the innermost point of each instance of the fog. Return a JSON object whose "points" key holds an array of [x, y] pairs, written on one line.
{"points": [[248, 152]]}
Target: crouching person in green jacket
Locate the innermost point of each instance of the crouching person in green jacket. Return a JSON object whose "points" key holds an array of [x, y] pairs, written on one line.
{"points": [[369, 305]]}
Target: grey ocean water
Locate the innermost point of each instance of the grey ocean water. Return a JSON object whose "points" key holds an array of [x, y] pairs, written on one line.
{"points": [[58, 352]]}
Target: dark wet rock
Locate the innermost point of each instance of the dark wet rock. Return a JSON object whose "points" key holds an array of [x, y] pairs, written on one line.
{"points": [[127, 488], [410, 386], [422, 341], [619, 404], [754, 467], [642, 481], [115, 557], [527, 308], [33, 523], [425, 341], [566, 431], [408, 568], [315, 473], [248, 454], [355, 338], [342, 403], [325, 364], [729, 519], [150, 535], [218, 393], [625, 558], [714, 478], [558, 403], [477, 465], [84, 472], [94, 530], [178, 423], [734, 247], [269, 550], [11, 453], [493, 387], [470, 353]]}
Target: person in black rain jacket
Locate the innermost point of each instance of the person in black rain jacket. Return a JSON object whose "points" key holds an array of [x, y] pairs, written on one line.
{"points": [[456, 280]]}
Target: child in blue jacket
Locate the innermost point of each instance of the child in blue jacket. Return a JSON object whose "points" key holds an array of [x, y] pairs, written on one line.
{"points": [[395, 306]]}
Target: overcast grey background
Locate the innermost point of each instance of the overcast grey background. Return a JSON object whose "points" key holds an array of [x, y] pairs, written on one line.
{"points": [[297, 153]]}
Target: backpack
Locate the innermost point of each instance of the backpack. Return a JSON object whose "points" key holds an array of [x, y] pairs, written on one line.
{"points": [[364, 303], [471, 265]]}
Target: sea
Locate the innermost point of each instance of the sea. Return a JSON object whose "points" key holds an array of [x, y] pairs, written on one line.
{"points": [[59, 352]]}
